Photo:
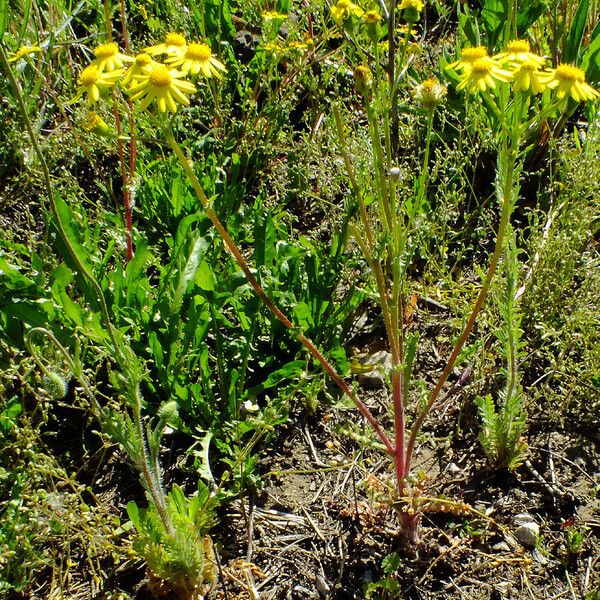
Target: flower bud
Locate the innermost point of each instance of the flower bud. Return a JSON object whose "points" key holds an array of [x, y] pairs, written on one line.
{"points": [[430, 93], [56, 385], [95, 124], [363, 79]]}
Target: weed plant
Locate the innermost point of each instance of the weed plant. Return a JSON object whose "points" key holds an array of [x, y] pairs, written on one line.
{"points": [[134, 294]]}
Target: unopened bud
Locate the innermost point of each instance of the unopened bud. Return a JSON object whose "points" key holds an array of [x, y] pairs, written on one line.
{"points": [[96, 125], [56, 385], [430, 93], [363, 79]]}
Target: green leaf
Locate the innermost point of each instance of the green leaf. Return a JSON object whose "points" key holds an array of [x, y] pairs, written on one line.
{"points": [[290, 370], [205, 277], [134, 514], [188, 273], [527, 16], [390, 563], [67, 220], [590, 62], [3, 16], [468, 25], [493, 16], [573, 40], [264, 240]]}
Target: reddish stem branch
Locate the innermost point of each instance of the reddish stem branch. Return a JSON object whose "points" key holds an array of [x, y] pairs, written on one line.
{"points": [[237, 255]]}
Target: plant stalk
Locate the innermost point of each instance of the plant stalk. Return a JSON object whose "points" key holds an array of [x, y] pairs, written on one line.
{"points": [[233, 249]]}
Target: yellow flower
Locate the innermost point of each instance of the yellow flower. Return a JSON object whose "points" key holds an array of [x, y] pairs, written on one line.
{"points": [[519, 51], [273, 15], [198, 57], [163, 85], [483, 75], [96, 124], [342, 10], [174, 45], [468, 57], [430, 93], [108, 57], [529, 76], [24, 51], [274, 48], [142, 65], [94, 82], [404, 30], [371, 17], [570, 80], [412, 9]]}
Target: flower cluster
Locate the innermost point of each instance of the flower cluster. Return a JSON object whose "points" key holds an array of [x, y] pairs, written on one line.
{"points": [[147, 80], [518, 64]]}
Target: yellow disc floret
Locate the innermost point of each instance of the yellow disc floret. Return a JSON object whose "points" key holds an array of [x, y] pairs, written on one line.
{"points": [[482, 75], [174, 45], [468, 57], [160, 76]]}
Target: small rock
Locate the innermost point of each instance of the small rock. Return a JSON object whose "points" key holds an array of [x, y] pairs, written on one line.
{"points": [[453, 469], [527, 531], [380, 364], [539, 557], [322, 587], [501, 547]]}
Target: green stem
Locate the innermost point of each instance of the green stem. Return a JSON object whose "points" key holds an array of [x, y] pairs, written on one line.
{"points": [[507, 167], [424, 177], [233, 249], [53, 208]]}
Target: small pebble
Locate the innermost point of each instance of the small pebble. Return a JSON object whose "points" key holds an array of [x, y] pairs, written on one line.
{"points": [[453, 469], [528, 534], [501, 547]]}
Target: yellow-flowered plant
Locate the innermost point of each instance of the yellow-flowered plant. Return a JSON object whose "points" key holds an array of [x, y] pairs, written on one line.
{"points": [[95, 82], [568, 80], [23, 52], [163, 85], [108, 57], [174, 45], [342, 10], [480, 72], [198, 58], [483, 74], [147, 80]]}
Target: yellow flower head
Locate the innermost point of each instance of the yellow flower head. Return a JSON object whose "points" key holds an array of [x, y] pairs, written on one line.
{"points": [[96, 124], [94, 82], [430, 93], [343, 9], [163, 85], [528, 76], [483, 75], [570, 81], [363, 79], [519, 51], [174, 45], [108, 57], [273, 15], [371, 17], [198, 57], [412, 9], [24, 51], [143, 63], [468, 57]]}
